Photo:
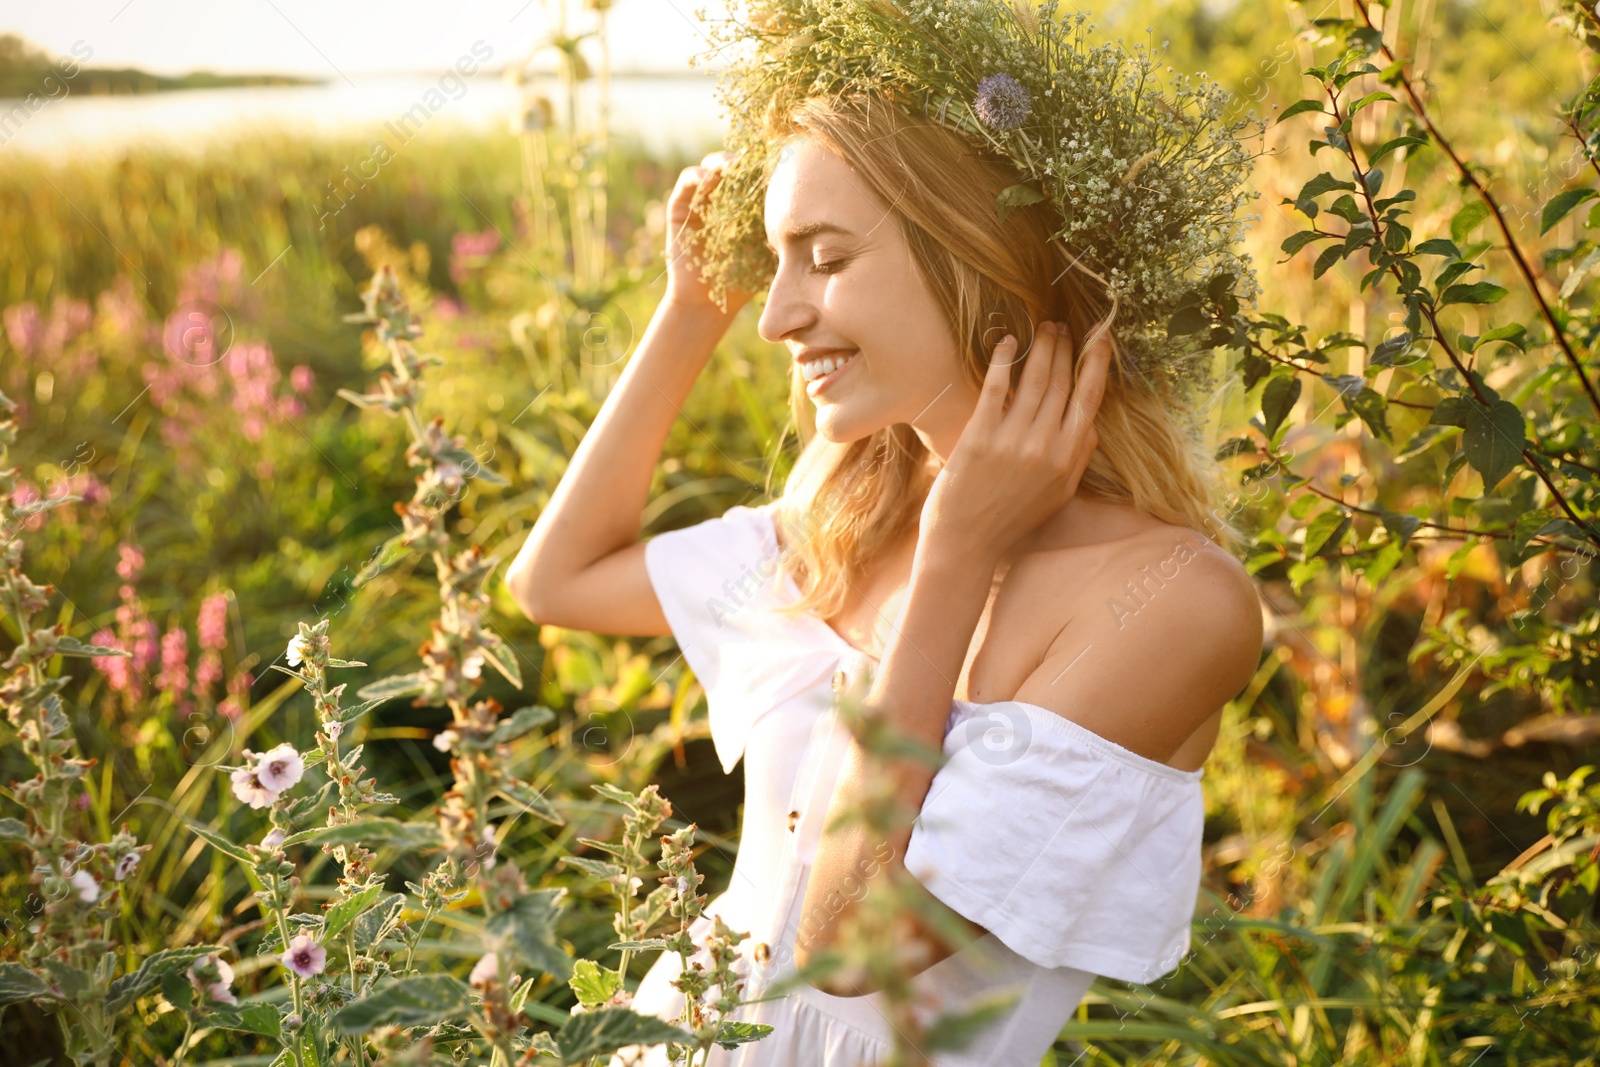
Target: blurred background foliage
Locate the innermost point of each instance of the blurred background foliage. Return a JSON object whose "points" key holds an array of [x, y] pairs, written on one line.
{"points": [[1365, 901]]}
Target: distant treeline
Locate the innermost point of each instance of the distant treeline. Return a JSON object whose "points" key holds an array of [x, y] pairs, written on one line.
{"points": [[26, 69]]}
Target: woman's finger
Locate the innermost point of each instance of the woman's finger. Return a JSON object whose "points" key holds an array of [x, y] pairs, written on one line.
{"points": [[1035, 375], [996, 383], [1091, 385], [1059, 389]]}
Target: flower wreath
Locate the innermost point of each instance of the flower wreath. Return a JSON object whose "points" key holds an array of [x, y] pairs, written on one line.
{"points": [[1147, 184]]}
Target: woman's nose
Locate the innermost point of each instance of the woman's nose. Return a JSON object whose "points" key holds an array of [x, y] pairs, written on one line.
{"points": [[786, 310]]}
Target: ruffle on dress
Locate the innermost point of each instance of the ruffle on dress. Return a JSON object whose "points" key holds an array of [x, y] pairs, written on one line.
{"points": [[1074, 851], [719, 585]]}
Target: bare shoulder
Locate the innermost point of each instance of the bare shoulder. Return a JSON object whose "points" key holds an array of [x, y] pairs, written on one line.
{"points": [[1163, 633]]}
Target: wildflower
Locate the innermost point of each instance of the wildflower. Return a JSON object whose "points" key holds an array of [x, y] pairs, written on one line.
{"points": [[1002, 102], [472, 666], [273, 839], [299, 650], [126, 864], [216, 988], [484, 974], [334, 728], [302, 378], [444, 739], [88, 888], [248, 788], [174, 676], [304, 956], [280, 768], [213, 622]]}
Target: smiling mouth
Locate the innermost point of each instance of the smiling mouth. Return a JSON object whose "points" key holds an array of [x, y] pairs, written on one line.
{"points": [[813, 369]]}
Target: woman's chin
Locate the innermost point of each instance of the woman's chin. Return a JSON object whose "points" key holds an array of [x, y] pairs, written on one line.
{"points": [[841, 428]]}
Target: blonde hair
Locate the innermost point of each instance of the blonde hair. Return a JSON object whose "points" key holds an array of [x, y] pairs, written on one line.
{"points": [[846, 503]]}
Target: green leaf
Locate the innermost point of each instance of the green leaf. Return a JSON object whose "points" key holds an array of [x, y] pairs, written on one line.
{"points": [[1325, 531], [1466, 220], [1494, 440], [13, 830], [418, 1000], [732, 1034], [1323, 183], [1187, 320], [1330, 255], [1452, 411], [371, 832], [1438, 246], [530, 800], [1015, 196], [1475, 293], [380, 921], [1561, 204], [520, 722], [399, 685], [347, 910], [597, 868], [1373, 410], [593, 984], [502, 657], [1277, 399], [389, 553], [1400, 526], [527, 931], [1392, 144], [1368, 100], [222, 844], [1296, 241], [595, 1033], [19, 983], [1300, 107], [71, 646], [130, 987], [252, 1018]]}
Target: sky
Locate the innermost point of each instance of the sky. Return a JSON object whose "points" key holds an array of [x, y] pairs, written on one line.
{"points": [[346, 38]]}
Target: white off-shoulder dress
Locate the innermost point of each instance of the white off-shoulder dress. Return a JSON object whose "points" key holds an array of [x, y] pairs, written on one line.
{"points": [[1080, 857]]}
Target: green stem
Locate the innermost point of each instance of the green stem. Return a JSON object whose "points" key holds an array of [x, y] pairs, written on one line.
{"points": [[411, 949], [183, 1046]]}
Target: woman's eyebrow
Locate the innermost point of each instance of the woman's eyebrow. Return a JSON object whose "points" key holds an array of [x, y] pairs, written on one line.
{"points": [[810, 229]]}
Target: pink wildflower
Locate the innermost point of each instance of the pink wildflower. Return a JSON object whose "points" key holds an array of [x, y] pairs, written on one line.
{"points": [[304, 956]]}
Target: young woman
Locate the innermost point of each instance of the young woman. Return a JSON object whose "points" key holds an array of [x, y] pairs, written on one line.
{"points": [[1000, 537]]}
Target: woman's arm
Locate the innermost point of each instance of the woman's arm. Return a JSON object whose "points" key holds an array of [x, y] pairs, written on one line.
{"points": [[1012, 468], [582, 565]]}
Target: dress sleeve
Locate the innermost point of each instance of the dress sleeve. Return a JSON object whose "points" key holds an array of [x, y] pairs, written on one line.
{"points": [[1072, 850], [719, 585]]}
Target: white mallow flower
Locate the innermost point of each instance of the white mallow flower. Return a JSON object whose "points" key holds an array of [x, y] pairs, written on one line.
{"points": [[444, 739], [217, 991], [472, 666], [486, 971], [280, 768], [299, 649], [273, 839], [88, 889], [126, 864], [334, 728], [248, 788]]}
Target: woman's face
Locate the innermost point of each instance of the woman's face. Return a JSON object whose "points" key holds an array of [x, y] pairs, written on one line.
{"points": [[846, 279]]}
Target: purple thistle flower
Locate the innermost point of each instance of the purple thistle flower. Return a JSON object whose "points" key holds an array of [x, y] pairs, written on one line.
{"points": [[1002, 103]]}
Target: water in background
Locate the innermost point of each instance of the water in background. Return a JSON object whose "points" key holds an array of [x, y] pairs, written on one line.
{"points": [[664, 113]]}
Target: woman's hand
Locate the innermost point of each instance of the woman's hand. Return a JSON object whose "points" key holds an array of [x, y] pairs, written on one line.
{"points": [[685, 287], [1016, 465]]}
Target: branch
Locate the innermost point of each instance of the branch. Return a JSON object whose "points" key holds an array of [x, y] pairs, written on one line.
{"points": [[1468, 178]]}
